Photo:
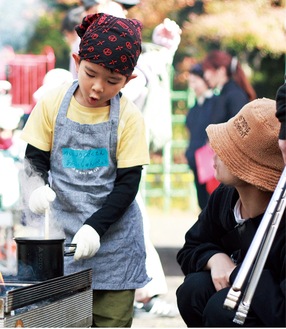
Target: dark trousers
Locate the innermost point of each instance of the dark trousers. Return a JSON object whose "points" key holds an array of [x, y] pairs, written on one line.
{"points": [[200, 305]]}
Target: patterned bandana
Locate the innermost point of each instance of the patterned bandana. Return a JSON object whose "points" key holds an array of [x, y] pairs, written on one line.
{"points": [[112, 42]]}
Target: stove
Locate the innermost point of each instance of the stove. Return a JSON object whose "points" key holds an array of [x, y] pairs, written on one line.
{"points": [[65, 301]]}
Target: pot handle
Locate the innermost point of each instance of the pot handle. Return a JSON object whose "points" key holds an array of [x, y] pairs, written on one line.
{"points": [[72, 248]]}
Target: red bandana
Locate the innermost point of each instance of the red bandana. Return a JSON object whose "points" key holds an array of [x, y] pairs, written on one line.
{"points": [[112, 42]]}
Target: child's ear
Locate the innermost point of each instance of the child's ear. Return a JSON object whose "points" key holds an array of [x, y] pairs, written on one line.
{"points": [[76, 60], [133, 76]]}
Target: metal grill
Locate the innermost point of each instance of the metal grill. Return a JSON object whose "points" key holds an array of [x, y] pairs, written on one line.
{"points": [[65, 301]]}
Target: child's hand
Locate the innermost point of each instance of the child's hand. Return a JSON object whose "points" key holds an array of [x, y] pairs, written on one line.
{"points": [[87, 241], [40, 199], [221, 267]]}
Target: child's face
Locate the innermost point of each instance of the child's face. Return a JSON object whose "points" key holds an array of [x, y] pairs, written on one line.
{"points": [[223, 174], [97, 85]]}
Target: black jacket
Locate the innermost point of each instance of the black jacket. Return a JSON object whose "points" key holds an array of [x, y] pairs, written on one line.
{"points": [[215, 232], [197, 119], [281, 109], [230, 100]]}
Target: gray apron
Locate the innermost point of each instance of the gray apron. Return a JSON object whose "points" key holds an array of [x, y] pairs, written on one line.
{"points": [[83, 171]]}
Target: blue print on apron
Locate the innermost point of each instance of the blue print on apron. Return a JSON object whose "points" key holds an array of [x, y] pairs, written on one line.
{"points": [[84, 159]]}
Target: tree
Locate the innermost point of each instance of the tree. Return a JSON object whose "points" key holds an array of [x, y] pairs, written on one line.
{"points": [[254, 30], [48, 32]]}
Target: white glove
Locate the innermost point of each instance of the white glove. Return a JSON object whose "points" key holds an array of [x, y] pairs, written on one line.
{"points": [[40, 199], [167, 34], [87, 241]]}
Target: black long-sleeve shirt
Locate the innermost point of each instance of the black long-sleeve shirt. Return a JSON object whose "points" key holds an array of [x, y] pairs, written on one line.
{"points": [[215, 232]]}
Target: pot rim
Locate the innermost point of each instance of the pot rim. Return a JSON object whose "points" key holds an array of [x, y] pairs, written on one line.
{"points": [[38, 239]]}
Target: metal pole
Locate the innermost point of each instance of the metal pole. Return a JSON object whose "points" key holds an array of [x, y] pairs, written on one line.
{"points": [[258, 249]]}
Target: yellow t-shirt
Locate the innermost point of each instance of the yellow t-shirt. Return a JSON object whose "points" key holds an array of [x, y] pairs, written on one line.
{"points": [[132, 147]]}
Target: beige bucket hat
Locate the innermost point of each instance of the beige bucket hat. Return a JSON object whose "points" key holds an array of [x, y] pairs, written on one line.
{"points": [[248, 144]]}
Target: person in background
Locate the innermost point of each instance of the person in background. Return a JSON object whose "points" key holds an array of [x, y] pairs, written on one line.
{"points": [[92, 6], [53, 78], [281, 115], [248, 163], [198, 118], [119, 7], [153, 79], [224, 73], [11, 150], [88, 143], [72, 18]]}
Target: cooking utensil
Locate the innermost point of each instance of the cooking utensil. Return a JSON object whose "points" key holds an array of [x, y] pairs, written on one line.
{"points": [[41, 259]]}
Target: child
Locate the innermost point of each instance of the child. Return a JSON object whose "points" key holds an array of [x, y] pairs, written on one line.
{"points": [[92, 141], [248, 163]]}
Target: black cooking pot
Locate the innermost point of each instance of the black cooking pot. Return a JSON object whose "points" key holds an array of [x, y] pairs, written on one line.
{"points": [[40, 259]]}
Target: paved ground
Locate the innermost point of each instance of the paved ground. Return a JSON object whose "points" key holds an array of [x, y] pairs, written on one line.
{"points": [[167, 233]]}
